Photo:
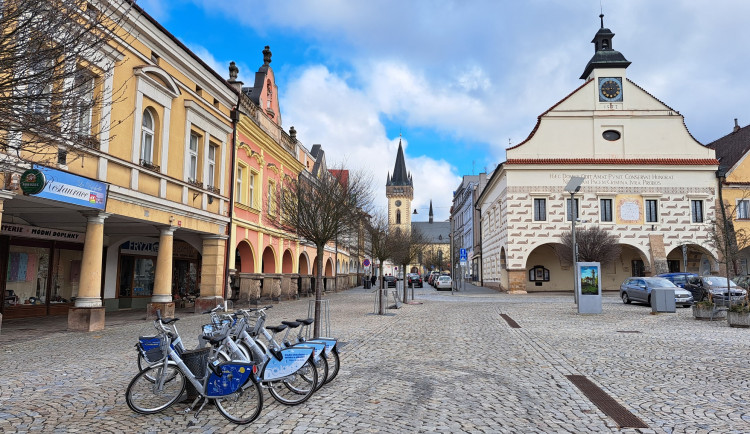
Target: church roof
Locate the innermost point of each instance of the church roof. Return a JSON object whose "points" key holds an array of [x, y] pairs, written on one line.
{"points": [[400, 175], [434, 232], [604, 55]]}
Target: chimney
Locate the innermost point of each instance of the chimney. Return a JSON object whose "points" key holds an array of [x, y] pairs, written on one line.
{"points": [[736, 126]]}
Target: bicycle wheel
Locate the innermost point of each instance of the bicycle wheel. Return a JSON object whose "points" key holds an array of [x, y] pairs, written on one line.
{"points": [[322, 367], [296, 388], [155, 388], [333, 365], [242, 406]]}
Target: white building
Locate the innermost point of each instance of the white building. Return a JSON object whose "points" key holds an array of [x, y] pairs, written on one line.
{"points": [[647, 181]]}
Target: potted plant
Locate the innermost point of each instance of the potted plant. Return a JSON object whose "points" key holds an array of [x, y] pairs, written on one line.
{"points": [[739, 314], [706, 309]]}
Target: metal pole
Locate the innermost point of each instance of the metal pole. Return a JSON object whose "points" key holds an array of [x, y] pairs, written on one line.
{"points": [[575, 250]]}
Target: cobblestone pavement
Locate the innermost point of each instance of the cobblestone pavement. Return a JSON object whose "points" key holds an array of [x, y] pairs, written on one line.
{"points": [[449, 364]]}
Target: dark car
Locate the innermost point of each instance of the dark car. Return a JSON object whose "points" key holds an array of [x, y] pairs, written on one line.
{"points": [[415, 281], [700, 285], [639, 289], [390, 281], [679, 279]]}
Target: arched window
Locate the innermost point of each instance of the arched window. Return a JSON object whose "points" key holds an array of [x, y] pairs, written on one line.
{"points": [[398, 216], [147, 137]]}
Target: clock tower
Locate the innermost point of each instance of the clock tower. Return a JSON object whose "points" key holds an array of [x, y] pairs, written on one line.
{"points": [[399, 190], [607, 68]]}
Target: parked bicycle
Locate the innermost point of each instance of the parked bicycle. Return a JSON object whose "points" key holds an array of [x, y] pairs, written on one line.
{"points": [[231, 385]]}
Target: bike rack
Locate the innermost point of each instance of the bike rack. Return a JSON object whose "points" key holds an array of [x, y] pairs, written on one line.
{"points": [[326, 317]]}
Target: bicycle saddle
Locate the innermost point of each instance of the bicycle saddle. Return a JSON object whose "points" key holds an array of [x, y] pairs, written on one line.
{"points": [[291, 324], [307, 321], [277, 328]]}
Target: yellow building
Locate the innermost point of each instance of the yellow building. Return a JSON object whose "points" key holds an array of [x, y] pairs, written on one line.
{"points": [[732, 151], [141, 216]]}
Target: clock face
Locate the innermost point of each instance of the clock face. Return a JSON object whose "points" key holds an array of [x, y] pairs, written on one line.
{"points": [[610, 89], [398, 203]]}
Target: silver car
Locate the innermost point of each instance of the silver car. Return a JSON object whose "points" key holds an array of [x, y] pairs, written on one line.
{"points": [[639, 289], [700, 285]]}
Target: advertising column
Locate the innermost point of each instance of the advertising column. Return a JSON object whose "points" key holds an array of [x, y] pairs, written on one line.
{"points": [[88, 313]]}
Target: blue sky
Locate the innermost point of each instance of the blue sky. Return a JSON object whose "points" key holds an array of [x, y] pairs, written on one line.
{"points": [[462, 79]]}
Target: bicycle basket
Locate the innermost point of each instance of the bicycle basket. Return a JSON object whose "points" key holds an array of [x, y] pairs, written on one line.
{"points": [[153, 348]]}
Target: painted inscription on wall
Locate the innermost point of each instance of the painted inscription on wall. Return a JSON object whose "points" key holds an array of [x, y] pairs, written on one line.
{"points": [[618, 179]]}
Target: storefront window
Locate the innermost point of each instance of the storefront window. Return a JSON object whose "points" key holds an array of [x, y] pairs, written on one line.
{"points": [[136, 276], [66, 275], [26, 281]]}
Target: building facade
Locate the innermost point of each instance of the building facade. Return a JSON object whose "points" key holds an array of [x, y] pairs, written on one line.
{"points": [[462, 225], [646, 180], [153, 166]]}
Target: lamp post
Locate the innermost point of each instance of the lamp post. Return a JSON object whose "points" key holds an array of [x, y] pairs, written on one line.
{"points": [[573, 187]]}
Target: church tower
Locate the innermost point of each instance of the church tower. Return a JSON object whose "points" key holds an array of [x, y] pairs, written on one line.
{"points": [[399, 190]]}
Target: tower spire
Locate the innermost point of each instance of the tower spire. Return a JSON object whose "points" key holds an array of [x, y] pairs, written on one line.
{"points": [[400, 175], [431, 211]]}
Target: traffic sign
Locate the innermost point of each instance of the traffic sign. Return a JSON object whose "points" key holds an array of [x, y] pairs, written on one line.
{"points": [[463, 255], [366, 263]]}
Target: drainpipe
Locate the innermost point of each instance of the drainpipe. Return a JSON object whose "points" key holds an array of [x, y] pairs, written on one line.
{"points": [[235, 116]]}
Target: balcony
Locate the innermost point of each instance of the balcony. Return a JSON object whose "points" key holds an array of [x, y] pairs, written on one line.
{"points": [[195, 183], [149, 165]]}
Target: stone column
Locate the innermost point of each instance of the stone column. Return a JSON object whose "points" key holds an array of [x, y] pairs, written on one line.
{"points": [[162, 296], [4, 195], [88, 313], [658, 254], [212, 273]]}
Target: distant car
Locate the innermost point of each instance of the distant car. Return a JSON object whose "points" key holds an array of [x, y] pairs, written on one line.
{"points": [[390, 281], [699, 286], [679, 279], [443, 282], [434, 275], [639, 289], [415, 281]]}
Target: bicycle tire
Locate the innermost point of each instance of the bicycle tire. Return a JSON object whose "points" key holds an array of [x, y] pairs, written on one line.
{"points": [[243, 406], [322, 368], [145, 396], [333, 365], [296, 388]]}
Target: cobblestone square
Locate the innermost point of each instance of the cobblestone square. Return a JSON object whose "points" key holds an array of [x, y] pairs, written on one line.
{"points": [[449, 364]]}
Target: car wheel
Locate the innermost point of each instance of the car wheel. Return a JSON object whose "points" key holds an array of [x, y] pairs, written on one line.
{"points": [[625, 298]]}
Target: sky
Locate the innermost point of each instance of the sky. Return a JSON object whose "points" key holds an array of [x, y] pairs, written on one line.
{"points": [[458, 81]]}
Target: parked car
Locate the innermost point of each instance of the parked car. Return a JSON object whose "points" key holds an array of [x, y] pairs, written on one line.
{"points": [[700, 285], [743, 282], [415, 281], [639, 289], [390, 281], [443, 282], [679, 279], [433, 275]]}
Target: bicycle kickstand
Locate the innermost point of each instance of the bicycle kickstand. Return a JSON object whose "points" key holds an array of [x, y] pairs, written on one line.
{"points": [[195, 415]]}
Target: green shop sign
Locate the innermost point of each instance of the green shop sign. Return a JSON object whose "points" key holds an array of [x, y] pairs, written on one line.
{"points": [[33, 181]]}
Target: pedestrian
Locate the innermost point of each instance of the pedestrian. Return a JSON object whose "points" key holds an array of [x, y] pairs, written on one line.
{"points": [[373, 279]]}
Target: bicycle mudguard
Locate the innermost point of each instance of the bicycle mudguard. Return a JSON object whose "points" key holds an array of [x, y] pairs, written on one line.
{"points": [[330, 343], [233, 375], [291, 361], [319, 347]]}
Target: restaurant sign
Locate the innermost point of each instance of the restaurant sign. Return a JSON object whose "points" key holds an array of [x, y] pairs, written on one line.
{"points": [[69, 188]]}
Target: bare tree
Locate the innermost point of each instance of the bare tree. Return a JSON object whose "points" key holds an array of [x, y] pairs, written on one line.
{"points": [[320, 210], [727, 239], [406, 250], [434, 258], [55, 58], [595, 244], [380, 247]]}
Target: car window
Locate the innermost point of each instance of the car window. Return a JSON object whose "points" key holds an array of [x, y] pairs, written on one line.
{"points": [[660, 282], [695, 280]]}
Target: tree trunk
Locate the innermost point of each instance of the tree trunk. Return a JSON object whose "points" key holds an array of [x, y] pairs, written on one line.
{"points": [[318, 291]]}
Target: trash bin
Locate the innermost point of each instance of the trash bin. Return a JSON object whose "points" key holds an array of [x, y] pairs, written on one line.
{"points": [[662, 300], [196, 361], [368, 284]]}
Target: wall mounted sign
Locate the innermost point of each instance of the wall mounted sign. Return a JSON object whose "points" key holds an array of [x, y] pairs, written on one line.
{"points": [[32, 181], [15, 230], [73, 189]]}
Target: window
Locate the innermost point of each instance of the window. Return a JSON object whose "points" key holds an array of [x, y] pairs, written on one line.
{"points": [[652, 210], [193, 157], [696, 209], [251, 189], [398, 216], [211, 177], [743, 209], [84, 84], [572, 210], [147, 137], [605, 207], [540, 210], [238, 184], [40, 88]]}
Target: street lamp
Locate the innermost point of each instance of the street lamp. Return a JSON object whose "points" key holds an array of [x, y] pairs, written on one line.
{"points": [[573, 187]]}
